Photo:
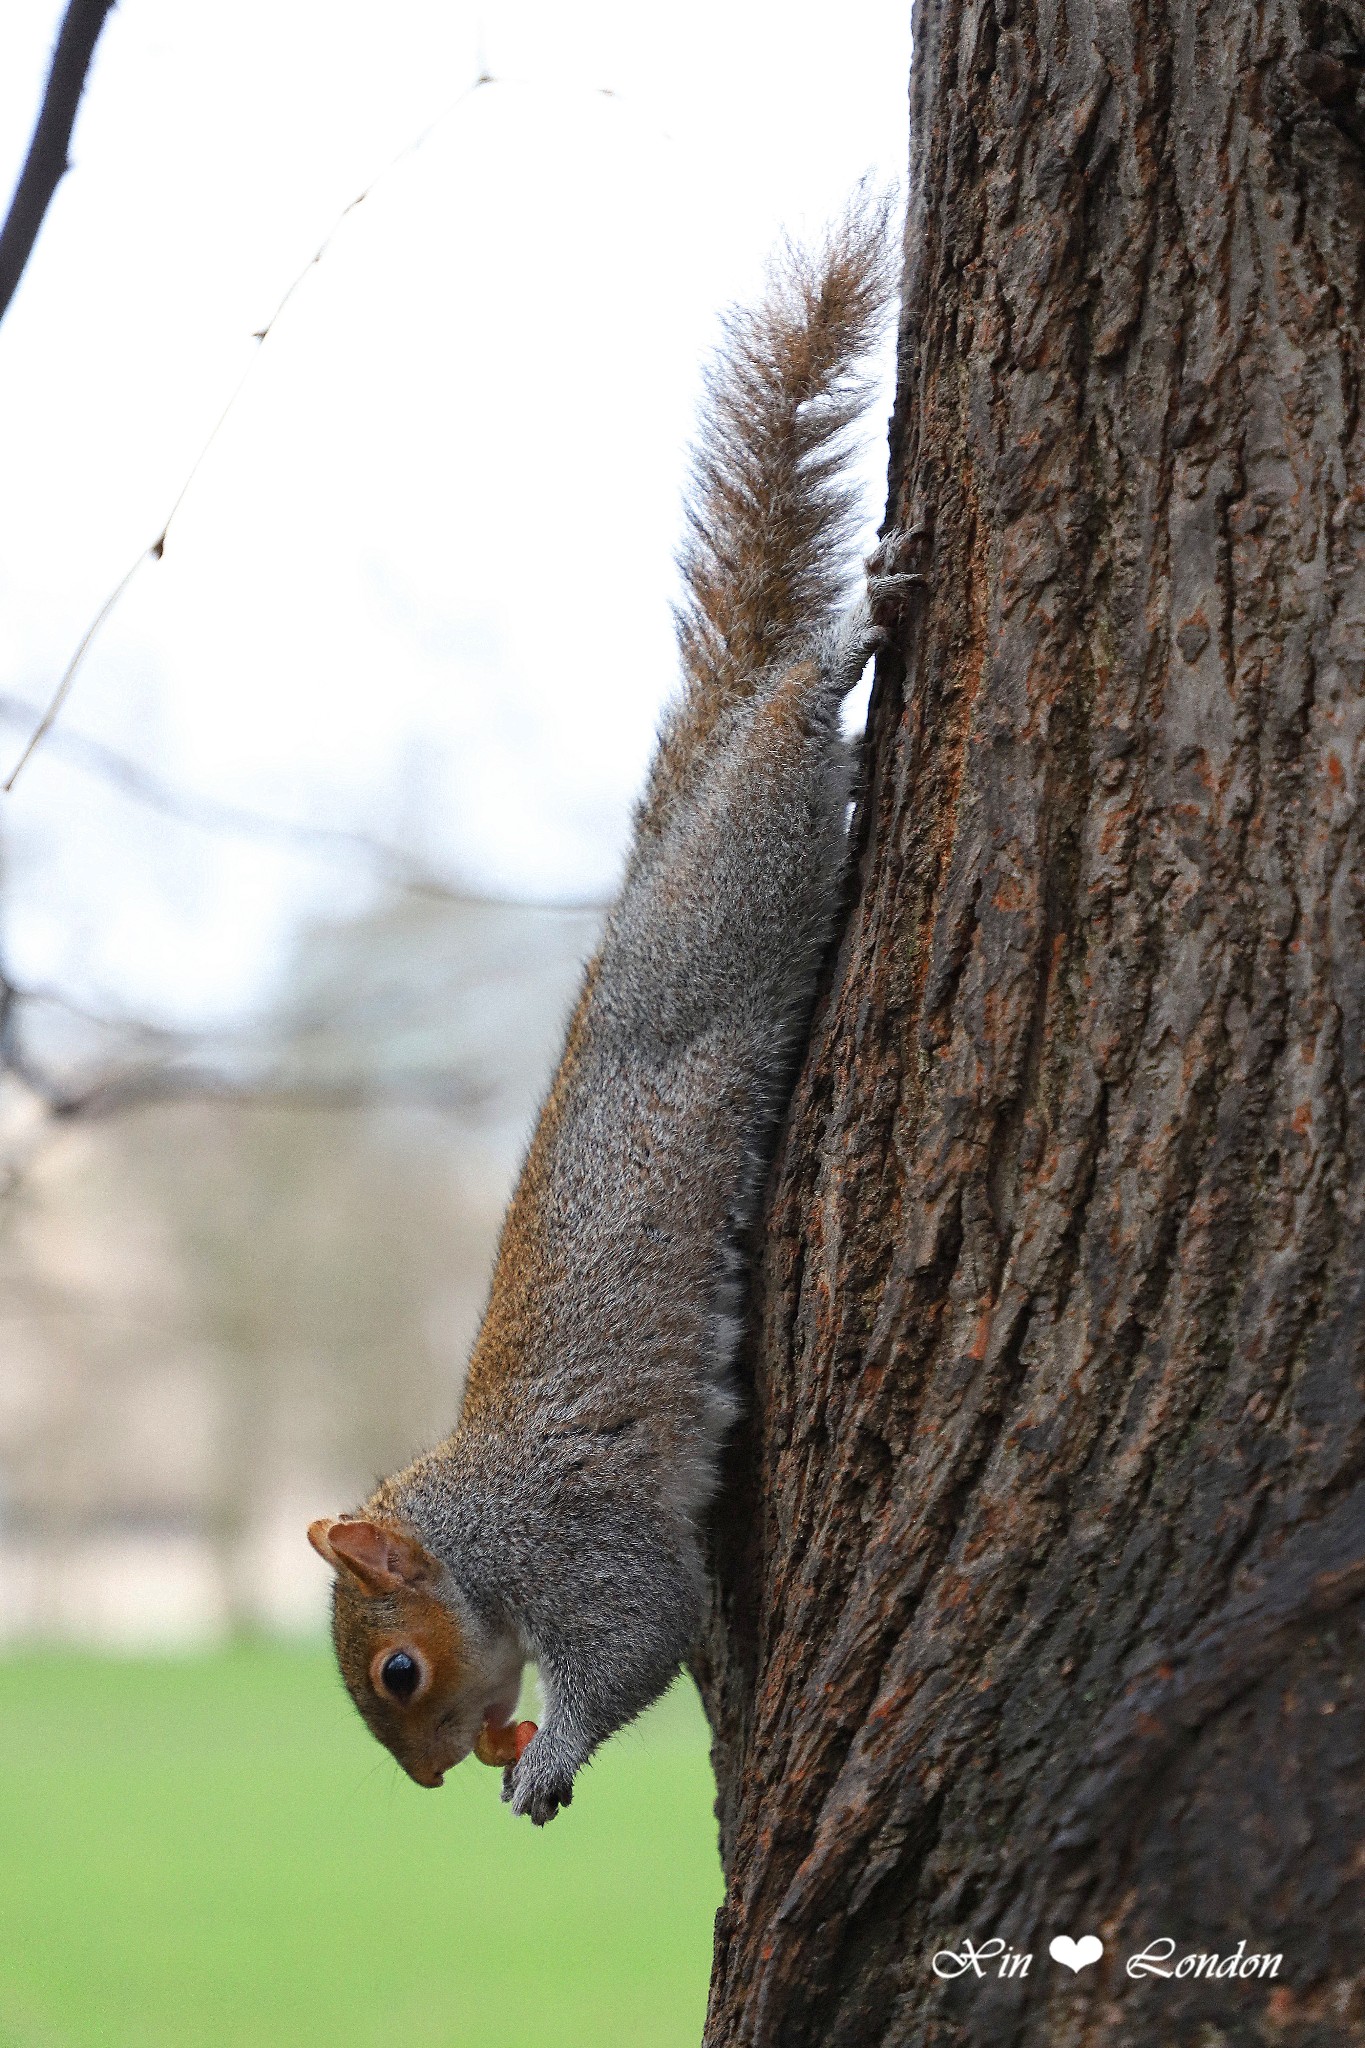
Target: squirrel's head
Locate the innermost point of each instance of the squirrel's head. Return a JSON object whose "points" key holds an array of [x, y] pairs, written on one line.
{"points": [[421, 1680]]}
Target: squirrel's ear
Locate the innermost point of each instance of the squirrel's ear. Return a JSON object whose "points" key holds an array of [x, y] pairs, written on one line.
{"points": [[383, 1560]]}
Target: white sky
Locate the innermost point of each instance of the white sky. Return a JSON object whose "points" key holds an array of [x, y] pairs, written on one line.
{"points": [[421, 586]]}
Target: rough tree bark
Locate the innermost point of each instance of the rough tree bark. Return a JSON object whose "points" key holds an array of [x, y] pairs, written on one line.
{"points": [[1038, 1595]]}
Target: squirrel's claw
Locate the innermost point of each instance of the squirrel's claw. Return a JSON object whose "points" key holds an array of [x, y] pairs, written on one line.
{"points": [[870, 625], [538, 1786], [895, 575], [900, 553]]}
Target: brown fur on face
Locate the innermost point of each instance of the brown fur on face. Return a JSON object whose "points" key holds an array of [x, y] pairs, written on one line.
{"points": [[387, 1598]]}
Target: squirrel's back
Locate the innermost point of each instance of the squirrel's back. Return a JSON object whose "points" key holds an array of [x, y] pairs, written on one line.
{"points": [[769, 517], [764, 566]]}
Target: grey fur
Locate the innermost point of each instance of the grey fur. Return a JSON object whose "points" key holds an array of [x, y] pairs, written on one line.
{"points": [[574, 1522], [565, 1512]]}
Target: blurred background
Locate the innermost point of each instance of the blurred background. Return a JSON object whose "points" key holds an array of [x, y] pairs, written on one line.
{"points": [[294, 896]]}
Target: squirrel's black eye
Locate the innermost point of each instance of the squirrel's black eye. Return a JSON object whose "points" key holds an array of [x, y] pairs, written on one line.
{"points": [[401, 1674]]}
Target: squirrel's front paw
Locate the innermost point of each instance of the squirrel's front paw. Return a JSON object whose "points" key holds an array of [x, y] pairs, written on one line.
{"points": [[895, 573], [539, 1785]]}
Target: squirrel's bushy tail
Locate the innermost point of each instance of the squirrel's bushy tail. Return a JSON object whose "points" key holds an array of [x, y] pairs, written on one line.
{"points": [[770, 509]]}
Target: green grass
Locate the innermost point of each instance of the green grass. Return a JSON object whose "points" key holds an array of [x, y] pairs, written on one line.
{"points": [[212, 1853]]}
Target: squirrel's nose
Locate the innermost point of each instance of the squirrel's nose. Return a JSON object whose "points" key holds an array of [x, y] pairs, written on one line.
{"points": [[429, 1776]]}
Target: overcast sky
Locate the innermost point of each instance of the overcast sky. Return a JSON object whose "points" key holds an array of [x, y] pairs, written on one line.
{"points": [[421, 586]]}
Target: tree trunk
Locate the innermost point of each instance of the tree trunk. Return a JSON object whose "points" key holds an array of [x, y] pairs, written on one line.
{"points": [[1038, 1593]]}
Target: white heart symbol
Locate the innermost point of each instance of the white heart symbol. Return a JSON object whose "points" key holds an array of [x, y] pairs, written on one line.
{"points": [[1075, 1954]]}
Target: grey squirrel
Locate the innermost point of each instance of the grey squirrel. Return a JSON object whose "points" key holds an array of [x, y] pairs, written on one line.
{"points": [[562, 1520]]}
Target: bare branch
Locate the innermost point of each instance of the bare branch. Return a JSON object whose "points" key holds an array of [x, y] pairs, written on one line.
{"points": [[62, 691], [157, 548], [426, 1089], [47, 163], [13, 1058], [180, 1074], [211, 814]]}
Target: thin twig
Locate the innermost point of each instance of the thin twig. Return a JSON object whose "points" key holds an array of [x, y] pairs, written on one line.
{"points": [[204, 813], [59, 695], [142, 1087], [212, 814], [47, 162], [14, 1057], [155, 549], [180, 1075]]}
